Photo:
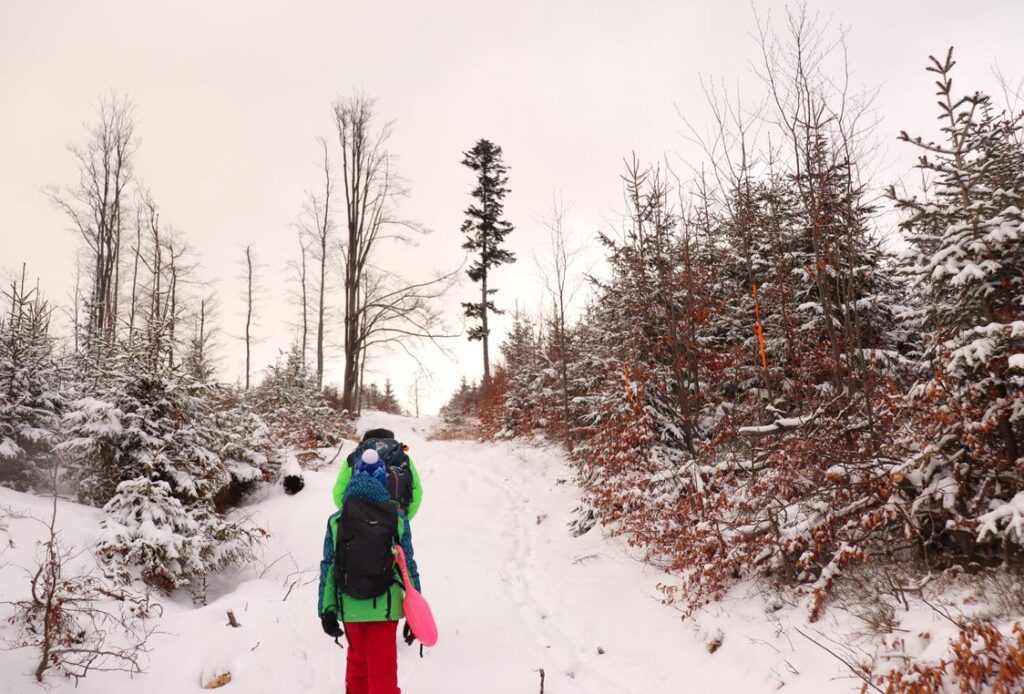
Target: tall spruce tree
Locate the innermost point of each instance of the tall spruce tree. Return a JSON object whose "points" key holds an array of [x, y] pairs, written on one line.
{"points": [[485, 231]]}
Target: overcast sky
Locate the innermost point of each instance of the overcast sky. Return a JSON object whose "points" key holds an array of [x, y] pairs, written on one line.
{"points": [[230, 96]]}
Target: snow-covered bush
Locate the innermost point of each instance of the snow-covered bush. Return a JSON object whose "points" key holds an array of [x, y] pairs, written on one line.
{"points": [[527, 394], [143, 440], [294, 408], [31, 397], [171, 544], [252, 456], [138, 419], [520, 408], [460, 416], [982, 658]]}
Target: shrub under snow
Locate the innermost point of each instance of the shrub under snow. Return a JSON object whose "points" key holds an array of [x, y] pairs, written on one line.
{"points": [[172, 545]]}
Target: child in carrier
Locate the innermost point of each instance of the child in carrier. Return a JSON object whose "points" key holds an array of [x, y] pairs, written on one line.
{"points": [[360, 589], [402, 478]]}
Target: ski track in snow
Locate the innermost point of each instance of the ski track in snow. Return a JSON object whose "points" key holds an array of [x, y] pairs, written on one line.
{"points": [[512, 590]]}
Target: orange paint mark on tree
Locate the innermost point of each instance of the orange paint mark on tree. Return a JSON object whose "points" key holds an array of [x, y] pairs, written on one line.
{"points": [[759, 329]]}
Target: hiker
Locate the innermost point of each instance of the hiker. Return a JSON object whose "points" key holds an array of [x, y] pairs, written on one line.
{"points": [[403, 480], [360, 589]]}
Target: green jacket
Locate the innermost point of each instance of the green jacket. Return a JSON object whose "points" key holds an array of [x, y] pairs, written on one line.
{"points": [[345, 476], [385, 608]]}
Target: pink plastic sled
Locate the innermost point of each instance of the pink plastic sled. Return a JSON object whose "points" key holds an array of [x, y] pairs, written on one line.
{"points": [[417, 611]]}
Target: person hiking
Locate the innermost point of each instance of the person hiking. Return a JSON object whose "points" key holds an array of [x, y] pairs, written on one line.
{"points": [[403, 480], [361, 592]]}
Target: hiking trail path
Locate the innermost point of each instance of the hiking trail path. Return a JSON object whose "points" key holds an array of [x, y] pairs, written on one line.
{"points": [[512, 590]]}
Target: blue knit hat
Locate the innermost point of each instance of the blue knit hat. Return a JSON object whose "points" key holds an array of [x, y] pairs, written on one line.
{"points": [[371, 465]]}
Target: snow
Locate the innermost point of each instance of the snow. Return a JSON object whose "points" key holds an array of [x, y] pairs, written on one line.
{"points": [[9, 449], [1006, 515], [244, 472], [291, 467], [104, 419], [782, 424], [512, 589]]}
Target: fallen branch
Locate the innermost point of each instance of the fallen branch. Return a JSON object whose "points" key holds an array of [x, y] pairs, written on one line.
{"points": [[263, 572], [852, 668], [336, 453], [779, 426]]}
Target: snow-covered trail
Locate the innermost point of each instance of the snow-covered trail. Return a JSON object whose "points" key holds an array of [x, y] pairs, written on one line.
{"points": [[512, 590], [515, 593]]}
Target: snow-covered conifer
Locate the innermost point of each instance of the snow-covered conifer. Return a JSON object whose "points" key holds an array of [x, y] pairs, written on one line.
{"points": [[31, 396], [966, 264], [521, 354], [146, 527], [294, 407]]}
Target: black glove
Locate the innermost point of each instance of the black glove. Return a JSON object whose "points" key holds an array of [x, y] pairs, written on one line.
{"points": [[329, 623], [407, 634]]}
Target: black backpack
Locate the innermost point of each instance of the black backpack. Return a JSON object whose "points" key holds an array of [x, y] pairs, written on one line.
{"points": [[396, 462], [364, 566]]}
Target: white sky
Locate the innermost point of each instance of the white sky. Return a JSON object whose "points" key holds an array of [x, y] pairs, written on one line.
{"points": [[230, 96]]}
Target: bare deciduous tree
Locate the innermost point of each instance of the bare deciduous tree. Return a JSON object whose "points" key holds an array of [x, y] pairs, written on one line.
{"points": [[829, 130], [562, 286], [367, 184], [140, 223], [76, 304], [198, 359], [320, 207], [371, 189], [421, 379], [401, 314], [157, 294], [250, 269], [299, 268], [97, 205]]}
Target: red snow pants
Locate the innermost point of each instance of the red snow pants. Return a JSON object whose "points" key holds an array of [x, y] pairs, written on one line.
{"points": [[372, 666]]}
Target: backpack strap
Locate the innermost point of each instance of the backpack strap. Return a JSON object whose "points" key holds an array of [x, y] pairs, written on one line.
{"points": [[339, 600]]}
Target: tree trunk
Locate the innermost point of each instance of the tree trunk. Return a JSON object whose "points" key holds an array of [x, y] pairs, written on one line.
{"points": [[320, 311], [486, 334], [362, 383], [172, 316], [565, 377], [135, 283], [305, 304], [201, 344], [352, 339], [248, 316]]}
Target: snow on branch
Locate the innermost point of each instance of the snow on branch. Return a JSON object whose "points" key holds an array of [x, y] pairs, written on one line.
{"points": [[779, 426], [1006, 520]]}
